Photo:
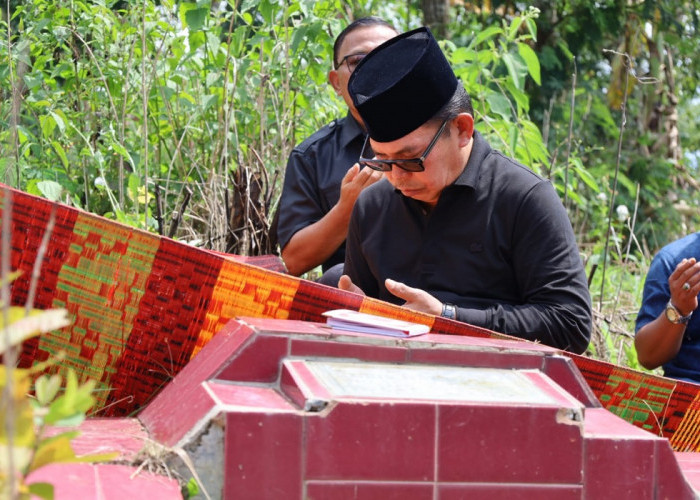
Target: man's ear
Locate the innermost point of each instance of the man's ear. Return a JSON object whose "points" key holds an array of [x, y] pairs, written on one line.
{"points": [[465, 128], [334, 80]]}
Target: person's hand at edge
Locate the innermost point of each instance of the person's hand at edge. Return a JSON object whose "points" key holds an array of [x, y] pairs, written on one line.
{"points": [[345, 283], [355, 180], [684, 284], [416, 299]]}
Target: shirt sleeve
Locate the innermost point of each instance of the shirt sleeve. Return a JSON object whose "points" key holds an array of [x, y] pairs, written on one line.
{"points": [[300, 203], [656, 290], [356, 266], [556, 304]]}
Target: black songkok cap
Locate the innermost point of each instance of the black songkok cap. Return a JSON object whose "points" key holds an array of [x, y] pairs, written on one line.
{"points": [[401, 84]]}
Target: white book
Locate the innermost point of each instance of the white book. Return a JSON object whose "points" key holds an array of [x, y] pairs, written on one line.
{"points": [[355, 321]]}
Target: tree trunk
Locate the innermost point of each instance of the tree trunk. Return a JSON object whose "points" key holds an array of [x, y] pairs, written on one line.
{"points": [[436, 15]]}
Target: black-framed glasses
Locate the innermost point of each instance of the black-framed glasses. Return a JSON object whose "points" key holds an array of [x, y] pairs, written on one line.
{"points": [[367, 158], [351, 61]]}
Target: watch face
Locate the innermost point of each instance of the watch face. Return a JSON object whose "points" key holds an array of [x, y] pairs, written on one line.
{"points": [[672, 315]]}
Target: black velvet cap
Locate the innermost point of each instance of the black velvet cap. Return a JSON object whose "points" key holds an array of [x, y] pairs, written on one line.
{"points": [[401, 84]]}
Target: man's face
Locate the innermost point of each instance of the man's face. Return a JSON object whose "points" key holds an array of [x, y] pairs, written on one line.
{"points": [[443, 164], [359, 41]]}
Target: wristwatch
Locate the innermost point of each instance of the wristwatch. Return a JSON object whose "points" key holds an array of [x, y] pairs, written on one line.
{"points": [[449, 311], [675, 316]]}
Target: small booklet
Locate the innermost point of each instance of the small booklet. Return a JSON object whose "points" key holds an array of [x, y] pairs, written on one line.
{"points": [[355, 321]]}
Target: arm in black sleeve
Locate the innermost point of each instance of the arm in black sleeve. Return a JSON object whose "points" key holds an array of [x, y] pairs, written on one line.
{"points": [[556, 304], [356, 265], [300, 204]]}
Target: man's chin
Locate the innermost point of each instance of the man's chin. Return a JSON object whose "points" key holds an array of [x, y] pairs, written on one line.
{"points": [[412, 193]]}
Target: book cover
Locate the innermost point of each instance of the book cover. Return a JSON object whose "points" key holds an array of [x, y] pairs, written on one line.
{"points": [[355, 321]]}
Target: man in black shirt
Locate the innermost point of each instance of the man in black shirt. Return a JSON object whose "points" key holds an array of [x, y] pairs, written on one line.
{"points": [[456, 228], [322, 179]]}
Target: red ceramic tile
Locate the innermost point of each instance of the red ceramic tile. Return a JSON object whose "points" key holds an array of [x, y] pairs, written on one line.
{"points": [[602, 423], [619, 468], [173, 414], [203, 366], [564, 372], [258, 361], [441, 355], [125, 436], [440, 340], [263, 399], [324, 490], [670, 481], [376, 441], [553, 391], [510, 492], [104, 482], [689, 464], [508, 444], [300, 385], [266, 325], [345, 349], [263, 456]]}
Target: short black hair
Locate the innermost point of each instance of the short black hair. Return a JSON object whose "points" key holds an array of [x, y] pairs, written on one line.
{"points": [[460, 102], [362, 22]]}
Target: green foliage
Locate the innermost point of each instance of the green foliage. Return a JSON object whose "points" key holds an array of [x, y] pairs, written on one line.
{"points": [[25, 447], [111, 103], [178, 116], [494, 64]]}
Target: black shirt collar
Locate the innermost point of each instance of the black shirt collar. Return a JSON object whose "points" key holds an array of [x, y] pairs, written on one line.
{"points": [[470, 175], [350, 129]]}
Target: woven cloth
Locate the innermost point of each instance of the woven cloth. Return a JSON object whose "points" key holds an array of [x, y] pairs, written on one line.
{"points": [[144, 305]]}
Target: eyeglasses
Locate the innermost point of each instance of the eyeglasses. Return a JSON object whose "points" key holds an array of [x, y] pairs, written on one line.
{"points": [[367, 158], [351, 61]]}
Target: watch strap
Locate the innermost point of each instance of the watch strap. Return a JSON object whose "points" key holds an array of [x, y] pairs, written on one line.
{"points": [[675, 316], [449, 311]]}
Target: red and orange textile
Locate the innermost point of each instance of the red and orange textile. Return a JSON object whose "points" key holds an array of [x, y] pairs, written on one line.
{"points": [[144, 305]]}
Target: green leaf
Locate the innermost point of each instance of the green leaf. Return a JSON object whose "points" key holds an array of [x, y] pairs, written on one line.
{"points": [[196, 39], [533, 64], [33, 81], [47, 387], [41, 490], [462, 54], [520, 97], [298, 36], [532, 27], [626, 182], [57, 449], [48, 124], [192, 488], [500, 105], [509, 61], [61, 153], [134, 183], [59, 120], [54, 450], [490, 32], [194, 17], [265, 9], [586, 177], [70, 407], [513, 134], [22, 327], [565, 50], [514, 27]]}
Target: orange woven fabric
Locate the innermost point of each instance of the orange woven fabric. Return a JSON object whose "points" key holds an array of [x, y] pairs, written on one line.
{"points": [[144, 305]]}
